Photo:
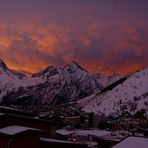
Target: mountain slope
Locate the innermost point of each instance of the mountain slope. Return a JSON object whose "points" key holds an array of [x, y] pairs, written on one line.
{"points": [[105, 80], [131, 95], [11, 80], [55, 85]]}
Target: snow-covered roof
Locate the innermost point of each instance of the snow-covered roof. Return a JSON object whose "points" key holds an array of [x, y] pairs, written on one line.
{"points": [[65, 142], [12, 130], [133, 142], [54, 140], [64, 132], [1, 114], [97, 133]]}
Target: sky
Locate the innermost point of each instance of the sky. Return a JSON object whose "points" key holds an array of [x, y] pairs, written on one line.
{"points": [[103, 36]]}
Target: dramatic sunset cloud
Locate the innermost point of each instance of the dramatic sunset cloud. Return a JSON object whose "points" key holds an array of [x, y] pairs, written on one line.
{"points": [[102, 35]]}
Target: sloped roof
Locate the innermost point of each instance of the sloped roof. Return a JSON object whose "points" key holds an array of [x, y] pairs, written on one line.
{"points": [[12, 130], [133, 142]]}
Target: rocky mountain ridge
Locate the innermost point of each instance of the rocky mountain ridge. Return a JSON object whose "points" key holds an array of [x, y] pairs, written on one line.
{"points": [[53, 85]]}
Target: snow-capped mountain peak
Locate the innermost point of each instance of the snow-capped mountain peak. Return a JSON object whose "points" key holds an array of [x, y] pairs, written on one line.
{"points": [[3, 66], [4, 70], [74, 67], [48, 72]]}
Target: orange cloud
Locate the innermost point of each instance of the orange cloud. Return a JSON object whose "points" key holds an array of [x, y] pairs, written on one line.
{"points": [[99, 47]]}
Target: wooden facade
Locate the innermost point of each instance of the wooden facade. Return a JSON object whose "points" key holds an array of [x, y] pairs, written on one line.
{"points": [[47, 126], [27, 138]]}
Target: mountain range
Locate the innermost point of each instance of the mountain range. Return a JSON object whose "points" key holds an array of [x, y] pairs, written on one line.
{"points": [[72, 83], [51, 86]]}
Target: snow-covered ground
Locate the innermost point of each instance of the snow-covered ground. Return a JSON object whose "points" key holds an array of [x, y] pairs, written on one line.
{"points": [[131, 95]]}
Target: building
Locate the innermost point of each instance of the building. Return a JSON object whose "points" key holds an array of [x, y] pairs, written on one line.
{"points": [[26, 137], [49, 127], [91, 119], [133, 142], [98, 119], [54, 143], [95, 119], [106, 143], [19, 137], [146, 132], [72, 121], [63, 134]]}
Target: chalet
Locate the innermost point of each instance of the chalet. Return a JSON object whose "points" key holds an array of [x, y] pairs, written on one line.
{"points": [[49, 127], [19, 137]]}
